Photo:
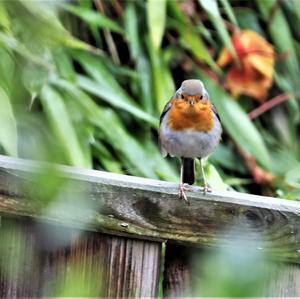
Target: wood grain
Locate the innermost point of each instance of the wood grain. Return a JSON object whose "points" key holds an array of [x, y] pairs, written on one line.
{"points": [[178, 271], [38, 260], [284, 281], [150, 209]]}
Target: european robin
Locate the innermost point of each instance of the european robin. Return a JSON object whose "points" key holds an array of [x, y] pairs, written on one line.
{"points": [[189, 128]]}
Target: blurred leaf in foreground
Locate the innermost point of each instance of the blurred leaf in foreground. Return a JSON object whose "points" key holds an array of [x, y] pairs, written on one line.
{"points": [[240, 270], [8, 127]]}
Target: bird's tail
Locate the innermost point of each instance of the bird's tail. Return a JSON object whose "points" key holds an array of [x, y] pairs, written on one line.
{"points": [[188, 171]]}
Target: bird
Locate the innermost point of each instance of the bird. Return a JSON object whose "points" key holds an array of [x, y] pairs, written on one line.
{"points": [[189, 129]]}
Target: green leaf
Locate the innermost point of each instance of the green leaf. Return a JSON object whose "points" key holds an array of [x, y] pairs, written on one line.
{"points": [[145, 82], [96, 67], [283, 39], [296, 6], [63, 128], [8, 127], [131, 152], [64, 64], [280, 32], [93, 18], [12, 43], [292, 177], [229, 11], [111, 97], [282, 160], [34, 77], [86, 3], [160, 165], [214, 179], [7, 69], [163, 84], [108, 88], [237, 123], [189, 36], [191, 40], [106, 158], [131, 25], [212, 9], [156, 19], [226, 158], [248, 19], [4, 18]]}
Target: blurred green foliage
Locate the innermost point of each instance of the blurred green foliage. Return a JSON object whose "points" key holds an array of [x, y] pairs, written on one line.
{"points": [[83, 83], [238, 271]]}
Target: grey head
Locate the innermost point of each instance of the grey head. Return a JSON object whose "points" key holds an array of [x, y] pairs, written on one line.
{"points": [[192, 87]]}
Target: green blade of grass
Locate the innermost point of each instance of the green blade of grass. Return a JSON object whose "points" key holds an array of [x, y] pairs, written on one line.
{"points": [[229, 11], [106, 158], [108, 88], [7, 69], [4, 17], [8, 127], [134, 156], [212, 9], [156, 19], [280, 33], [163, 84], [94, 18], [64, 64], [112, 98], [282, 38], [142, 63], [248, 19], [12, 43], [189, 37], [131, 26], [63, 128]]}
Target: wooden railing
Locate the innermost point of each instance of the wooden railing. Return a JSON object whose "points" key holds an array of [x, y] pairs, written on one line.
{"points": [[113, 228]]}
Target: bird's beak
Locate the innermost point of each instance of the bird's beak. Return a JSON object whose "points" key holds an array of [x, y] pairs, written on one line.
{"points": [[192, 102]]}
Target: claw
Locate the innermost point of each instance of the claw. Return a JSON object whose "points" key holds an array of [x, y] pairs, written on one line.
{"points": [[181, 192], [205, 189]]}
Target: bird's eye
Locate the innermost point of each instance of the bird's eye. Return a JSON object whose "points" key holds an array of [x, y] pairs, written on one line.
{"points": [[182, 96], [201, 97]]}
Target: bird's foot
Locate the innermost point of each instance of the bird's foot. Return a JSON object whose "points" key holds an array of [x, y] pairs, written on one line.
{"points": [[205, 189], [181, 192]]}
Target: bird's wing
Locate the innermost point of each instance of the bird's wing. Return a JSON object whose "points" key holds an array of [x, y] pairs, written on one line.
{"points": [[215, 111], [163, 114], [166, 109]]}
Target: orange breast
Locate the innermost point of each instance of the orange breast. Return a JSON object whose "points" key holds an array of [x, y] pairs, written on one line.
{"points": [[199, 117]]}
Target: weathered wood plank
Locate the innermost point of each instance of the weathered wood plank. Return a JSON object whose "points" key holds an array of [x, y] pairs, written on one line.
{"points": [[284, 282], [38, 260], [150, 209], [134, 271], [178, 271]]}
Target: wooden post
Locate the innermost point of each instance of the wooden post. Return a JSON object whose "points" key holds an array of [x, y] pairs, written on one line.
{"points": [[177, 271]]}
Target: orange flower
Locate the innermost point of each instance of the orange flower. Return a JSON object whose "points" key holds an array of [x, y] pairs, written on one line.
{"points": [[253, 75]]}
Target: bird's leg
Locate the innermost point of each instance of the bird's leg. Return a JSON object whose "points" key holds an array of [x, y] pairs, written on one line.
{"points": [[181, 191], [182, 187], [205, 188]]}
